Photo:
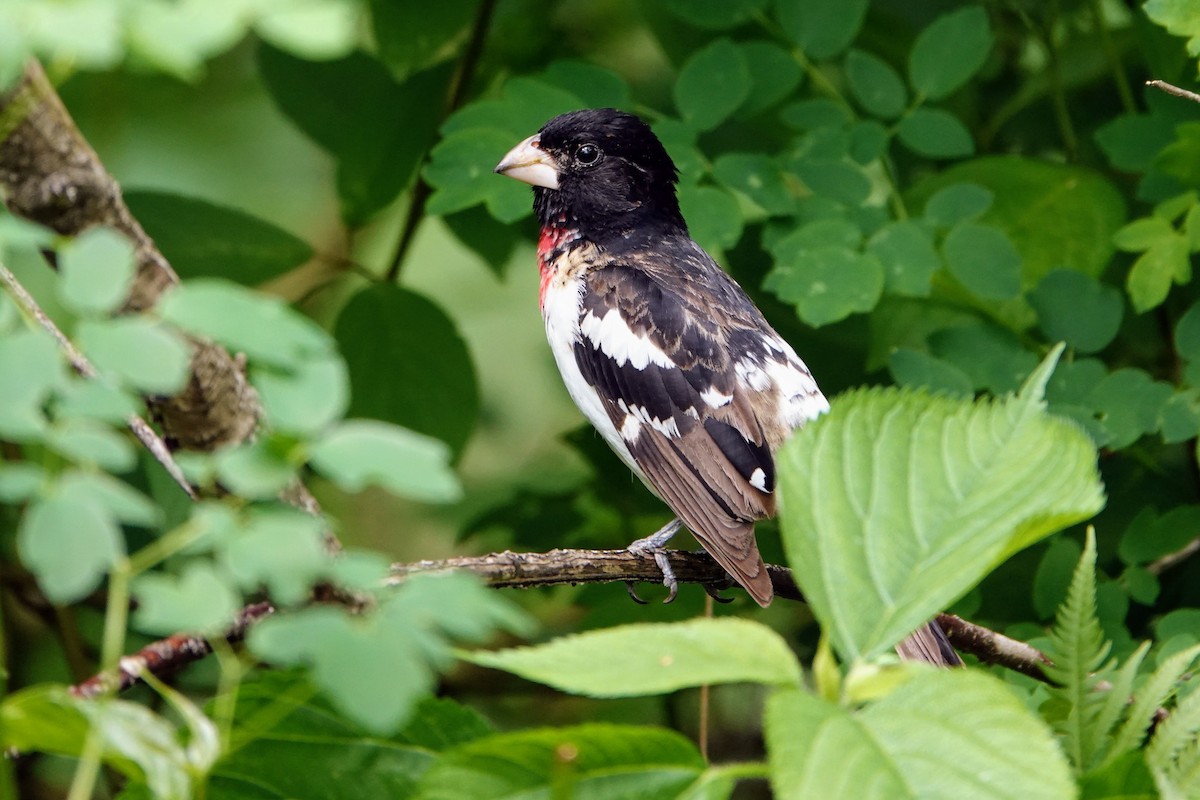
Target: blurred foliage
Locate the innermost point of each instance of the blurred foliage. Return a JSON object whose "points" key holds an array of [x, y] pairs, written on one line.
{"points": [[931, 195]]}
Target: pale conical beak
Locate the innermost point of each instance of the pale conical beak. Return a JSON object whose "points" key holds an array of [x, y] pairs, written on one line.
{"points": [[530, 163]]}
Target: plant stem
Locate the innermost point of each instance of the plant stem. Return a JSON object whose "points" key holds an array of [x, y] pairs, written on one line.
{"points": [[458, 95], [1113, 58], [1058, 96]]}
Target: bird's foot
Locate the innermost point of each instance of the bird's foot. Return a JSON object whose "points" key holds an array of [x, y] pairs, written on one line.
{"points": [[653, 545], [714, 592]]}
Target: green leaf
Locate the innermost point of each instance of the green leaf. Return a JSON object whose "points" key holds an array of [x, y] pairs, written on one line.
{"points": [[827, 284], [1179, 18], [361, 453], [993, 356], [69, 542], [819, 112], [96, 400], [258, 470], [868, 141], [306, 399], [1151, 695], [310, 750], [408, 364], [19, 481], [85, 441], [875, 85], [935, 133], [281, 549], [905, 249], [877, 554], [714, 14], [131, 738], [817, 749], [34, 356], [202, 239], [143, 353], [1187, 333], [822, 28], [713, 217], [354, 109], [712, 84], [119, 499], [412, 36], [615, 762], [758, 177], [948, 52], [1171, 754], [1149, 281], [984, 260], [1151, 536], [199, 600], [920, 370], [1128, 403], [460, 170], [1058, 216], [1077, 309], [97, 270], [596, 86], [259, 325], [958, 202], [645, 659], [1142, 234], [774, 75], [1133, 141]]}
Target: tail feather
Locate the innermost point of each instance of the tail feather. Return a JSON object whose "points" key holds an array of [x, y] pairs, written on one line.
{"points": [[929, 644]]}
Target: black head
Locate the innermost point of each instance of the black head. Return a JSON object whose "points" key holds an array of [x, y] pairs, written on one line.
{"points": [[601, 169]]}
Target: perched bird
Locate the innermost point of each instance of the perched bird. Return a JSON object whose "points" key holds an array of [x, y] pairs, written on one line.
{"points": [[661, 350]]}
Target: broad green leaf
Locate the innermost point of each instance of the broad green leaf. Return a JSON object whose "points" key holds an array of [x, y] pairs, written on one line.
{"points": [[839, 180], [1181, 158], [199, 600], [614, 762], [958, 202], [1077, 309], [984, 260], [1132, 141], [97, 270], [412, 36], [19, 481], [1128, 403], [119, 499], [875, 85], [636, 660], [259, 325], [1142, 234], [1178, 17], [905, 249], [460, 170], [134, 740], [310, 750], [178, 38], [316, 30], [1150, 536], [281, 549], [868, 141], [876, 553], [1149, 281], [69, 542], [202, 239], [361, 453], [819, 112], [833, 232], [827, 284], [992, 356], [935, 133], [920, 370], [758, 177], [306, 399], [948, 52], [353, 107], [34, 356], [774, 75], [714, 14], [144, 354], [883, 752], [1056, 215], [712, 84], [822, 28], [596, 86], [408, 364], [713, 217], [97, 400]]}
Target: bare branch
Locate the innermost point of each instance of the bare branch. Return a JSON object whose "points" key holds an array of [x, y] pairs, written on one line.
{"points": [[1174, 90], [1161, 565], [167, 655], [79, 362], [991, 647]]}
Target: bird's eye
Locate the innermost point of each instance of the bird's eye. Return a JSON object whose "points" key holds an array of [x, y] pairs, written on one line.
{"points": [[587, 154]]}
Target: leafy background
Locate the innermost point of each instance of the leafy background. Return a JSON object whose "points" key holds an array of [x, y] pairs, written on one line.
{"points": [[930, 195]]}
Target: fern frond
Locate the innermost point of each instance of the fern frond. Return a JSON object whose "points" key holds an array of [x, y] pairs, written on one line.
{"points": [[1078, 648], [1116, 699], [1173, 754], [1158, 689]]}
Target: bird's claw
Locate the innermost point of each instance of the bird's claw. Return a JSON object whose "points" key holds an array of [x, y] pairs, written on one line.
{"points": [[633, 595], [669, 579], [715, 593], [653, 545]]}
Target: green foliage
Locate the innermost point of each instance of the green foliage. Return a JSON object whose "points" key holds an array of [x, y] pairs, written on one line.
{"points": [[876, 552], [934, 196]]}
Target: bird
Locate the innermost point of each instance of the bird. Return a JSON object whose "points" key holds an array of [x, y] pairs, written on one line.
{"points": [[661, 350]]}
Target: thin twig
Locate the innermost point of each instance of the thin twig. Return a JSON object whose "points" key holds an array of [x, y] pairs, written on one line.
{"points": [[79, 362], [458, 96], [991, 647], [167, 655], [1175, 90], [1161, 565]]}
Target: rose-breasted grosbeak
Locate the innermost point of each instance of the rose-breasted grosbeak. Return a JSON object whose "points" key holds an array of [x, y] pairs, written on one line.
{"points": [[661, 350]]}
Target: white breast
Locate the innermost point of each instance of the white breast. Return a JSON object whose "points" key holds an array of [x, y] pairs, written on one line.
{"points": [[561, 311]]}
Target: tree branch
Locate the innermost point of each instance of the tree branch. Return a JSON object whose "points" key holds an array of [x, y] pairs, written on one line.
{"points": [[79, 362], [1175, 90]]}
